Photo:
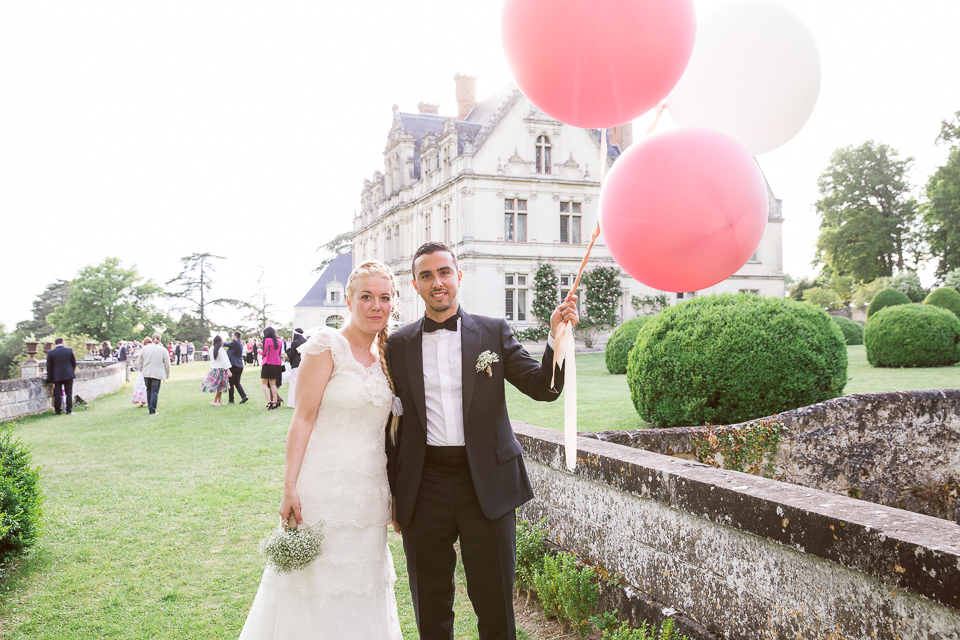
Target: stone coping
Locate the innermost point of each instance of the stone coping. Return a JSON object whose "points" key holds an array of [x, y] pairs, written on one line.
{"points": [[85, 373], [670, 441], [901, 549]]}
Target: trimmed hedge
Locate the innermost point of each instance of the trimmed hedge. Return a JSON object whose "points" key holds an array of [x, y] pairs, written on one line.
{"points": [[724, 359], [913, 335], [945, 298], [852, 331], [887, 298], [21, 500], [617, 351]]}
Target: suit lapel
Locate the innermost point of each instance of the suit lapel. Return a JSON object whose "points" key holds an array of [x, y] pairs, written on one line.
{"points": [[470, 340], [414, 360]]}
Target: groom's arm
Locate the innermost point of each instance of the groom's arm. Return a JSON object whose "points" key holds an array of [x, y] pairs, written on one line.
{"points": [[530, 377], [392, 444]]}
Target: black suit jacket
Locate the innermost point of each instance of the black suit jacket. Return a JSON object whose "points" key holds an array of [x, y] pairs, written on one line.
{"points": [[496, 464], [61, 364], [234, 353], [293, 355]]}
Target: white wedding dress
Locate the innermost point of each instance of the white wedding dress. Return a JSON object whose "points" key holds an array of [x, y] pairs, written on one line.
{"points": [[347, 593]]}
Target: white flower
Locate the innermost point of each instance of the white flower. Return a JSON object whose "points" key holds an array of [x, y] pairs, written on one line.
{"points": [[293, 549], [484, 360]]}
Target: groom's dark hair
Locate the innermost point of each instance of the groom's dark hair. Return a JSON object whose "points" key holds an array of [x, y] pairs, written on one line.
{"points": [[428, 248]]}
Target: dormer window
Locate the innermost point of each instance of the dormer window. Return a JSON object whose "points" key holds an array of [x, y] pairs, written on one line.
{"points": [[334, 293], [543, 154]]}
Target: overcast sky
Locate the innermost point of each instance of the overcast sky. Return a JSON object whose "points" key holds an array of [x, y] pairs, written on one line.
{"points": [[149, 131]]}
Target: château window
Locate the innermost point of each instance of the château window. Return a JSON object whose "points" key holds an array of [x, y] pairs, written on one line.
{"points": [[543, 154], [570, 222], [427, 215], [447, 238], [515, 297], [514, 220], [754, 292], [689, 295]]}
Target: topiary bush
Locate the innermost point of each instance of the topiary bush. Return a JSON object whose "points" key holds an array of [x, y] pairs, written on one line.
{"points": [[887, 298], [617, 351], [946, 298], [852, 331], [724, 359], [913, 335], [21, 500]]}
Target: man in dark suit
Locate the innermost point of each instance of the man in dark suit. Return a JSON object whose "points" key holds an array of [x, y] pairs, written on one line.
{"points": [[235, 354], [455, 467], [61, 371]]}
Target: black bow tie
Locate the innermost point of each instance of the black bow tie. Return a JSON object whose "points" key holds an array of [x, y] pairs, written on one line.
{"points": [[450, 324]]}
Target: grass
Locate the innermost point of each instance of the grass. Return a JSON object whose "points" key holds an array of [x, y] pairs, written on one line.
{"points": [[604, 399], [152, 522]]}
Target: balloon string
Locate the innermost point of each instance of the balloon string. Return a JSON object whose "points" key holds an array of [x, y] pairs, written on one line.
{"points": [[596, 230], [656, 121]]}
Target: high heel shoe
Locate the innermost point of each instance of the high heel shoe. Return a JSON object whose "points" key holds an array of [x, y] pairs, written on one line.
{"points": [[279, 401], [271, 406]]}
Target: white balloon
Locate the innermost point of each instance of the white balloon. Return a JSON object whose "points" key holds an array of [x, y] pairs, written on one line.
{"points": [[754, 75]]}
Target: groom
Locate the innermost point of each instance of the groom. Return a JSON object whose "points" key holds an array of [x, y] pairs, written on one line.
{"points": [[456, 470]]}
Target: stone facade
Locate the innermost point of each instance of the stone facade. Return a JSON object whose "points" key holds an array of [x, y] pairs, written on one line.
{"points": [[744, 556], [27, 396], [507, 186], [900, 449]]}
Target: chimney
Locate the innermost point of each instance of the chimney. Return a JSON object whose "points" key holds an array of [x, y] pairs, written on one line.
{"points": [[621, 136], [466, 94], [426, 107]]}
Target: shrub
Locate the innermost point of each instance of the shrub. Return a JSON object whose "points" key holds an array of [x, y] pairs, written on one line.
{"points": [[945, 298], [887, 298], [621, 343], [729, 358], [530, 553], [913, 335], [908, 283], [952, 279], [852, 331], [21, 500]]}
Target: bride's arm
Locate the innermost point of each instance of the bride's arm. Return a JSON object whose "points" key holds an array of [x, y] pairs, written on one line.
{"points": [[315, 372]]}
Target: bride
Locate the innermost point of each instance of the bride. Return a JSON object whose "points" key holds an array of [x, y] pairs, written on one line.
{"points": [[335, 471]]}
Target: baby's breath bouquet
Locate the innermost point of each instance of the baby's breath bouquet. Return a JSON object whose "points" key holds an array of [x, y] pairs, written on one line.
{"points": [[288, 548]]}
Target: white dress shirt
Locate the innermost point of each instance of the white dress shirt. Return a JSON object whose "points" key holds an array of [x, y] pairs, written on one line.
{"points": [[443, 386]]}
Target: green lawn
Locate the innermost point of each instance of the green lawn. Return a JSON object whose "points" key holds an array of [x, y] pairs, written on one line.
{"points": [[152, 522], [604, 399]]}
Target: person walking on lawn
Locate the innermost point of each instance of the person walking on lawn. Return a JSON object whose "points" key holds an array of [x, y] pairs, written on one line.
{"points": [[154, 365], [61, 371]]}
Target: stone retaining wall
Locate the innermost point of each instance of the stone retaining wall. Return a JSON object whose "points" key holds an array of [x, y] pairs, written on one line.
{"points": [[27, 396], [900, 449], [744, 556]]}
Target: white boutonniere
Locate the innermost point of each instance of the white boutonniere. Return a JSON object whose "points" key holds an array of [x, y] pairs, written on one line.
{"points": [[485, 359]]}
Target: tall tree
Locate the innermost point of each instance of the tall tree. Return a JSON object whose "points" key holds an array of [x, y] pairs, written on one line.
{"points": [[941, 211], [54, 296], [106, 302], [195, 283], [866, 213], [259, 312], [342, 243]]}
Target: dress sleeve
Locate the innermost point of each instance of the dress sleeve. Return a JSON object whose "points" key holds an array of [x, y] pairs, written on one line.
{"points": [[323, 340]]}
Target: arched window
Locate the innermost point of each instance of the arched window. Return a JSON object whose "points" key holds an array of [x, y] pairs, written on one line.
{"points": [[335, 321], [543, 154]]}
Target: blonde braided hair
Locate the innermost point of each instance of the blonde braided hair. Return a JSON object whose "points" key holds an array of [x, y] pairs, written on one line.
{"points": [[365, 270]]}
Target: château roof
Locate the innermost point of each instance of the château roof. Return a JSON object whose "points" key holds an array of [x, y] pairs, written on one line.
{"points": [[337, 271], [475, 128]]}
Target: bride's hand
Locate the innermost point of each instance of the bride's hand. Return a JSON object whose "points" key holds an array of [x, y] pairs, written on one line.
{"points": [[393, 516], [290, 502]]}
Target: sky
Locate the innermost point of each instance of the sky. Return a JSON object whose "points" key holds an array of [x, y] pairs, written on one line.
{"points": [[150, 131]]}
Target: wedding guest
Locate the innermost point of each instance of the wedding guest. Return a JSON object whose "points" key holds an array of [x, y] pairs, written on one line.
{"points": [[293, 357], [106, 351], [218, 380], [176, 351], [154, 365], [61, 371], [122, 352], [235, 353], [140, 387], [189, 351], [272, 368]]}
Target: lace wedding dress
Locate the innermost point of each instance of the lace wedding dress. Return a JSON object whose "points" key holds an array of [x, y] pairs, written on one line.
{"points": [[347, 593]]}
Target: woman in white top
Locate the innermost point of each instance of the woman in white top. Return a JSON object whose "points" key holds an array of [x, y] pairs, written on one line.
{"points": [[218, 380]]}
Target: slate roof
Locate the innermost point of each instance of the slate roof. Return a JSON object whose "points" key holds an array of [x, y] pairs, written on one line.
{"points": [[339, 269], [477, 123]]}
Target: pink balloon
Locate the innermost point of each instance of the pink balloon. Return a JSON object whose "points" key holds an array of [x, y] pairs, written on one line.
{"points": [[597, 63], [683, 210]]}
